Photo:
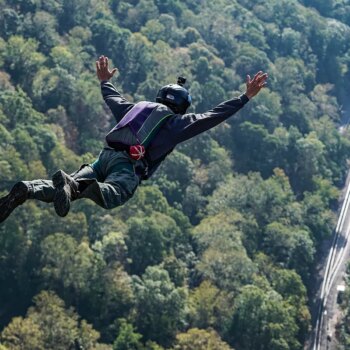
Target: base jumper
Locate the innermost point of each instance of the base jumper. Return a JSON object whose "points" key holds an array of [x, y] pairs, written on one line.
{"points": [[145, 134]]}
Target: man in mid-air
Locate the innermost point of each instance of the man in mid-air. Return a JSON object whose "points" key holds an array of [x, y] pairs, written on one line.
{"points": [[145, 134]]}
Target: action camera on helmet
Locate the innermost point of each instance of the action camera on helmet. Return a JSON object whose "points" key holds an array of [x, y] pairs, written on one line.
{"points": [[175, 96]]}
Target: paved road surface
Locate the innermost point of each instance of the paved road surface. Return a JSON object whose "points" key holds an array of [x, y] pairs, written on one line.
{"points": [[327, 310]]}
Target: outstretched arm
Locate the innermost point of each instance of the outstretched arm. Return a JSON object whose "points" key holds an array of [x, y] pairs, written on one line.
{"points": [[189, 125], [118, 105]]}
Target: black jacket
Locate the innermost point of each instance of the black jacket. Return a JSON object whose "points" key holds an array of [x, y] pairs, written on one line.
{"points": [[177, 128]]}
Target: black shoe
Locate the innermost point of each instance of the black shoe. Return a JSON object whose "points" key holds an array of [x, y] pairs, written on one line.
{"points": [[17, 196], [66, 191]]}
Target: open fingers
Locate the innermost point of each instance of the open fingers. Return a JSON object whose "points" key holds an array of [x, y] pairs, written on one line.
{"points": [[256, 76], [102, 68], [102, 62], [262, 77], [113, 71], [259, 79]]}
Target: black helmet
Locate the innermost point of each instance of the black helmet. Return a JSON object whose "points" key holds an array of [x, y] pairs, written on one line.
{"points": [[175, 96]]}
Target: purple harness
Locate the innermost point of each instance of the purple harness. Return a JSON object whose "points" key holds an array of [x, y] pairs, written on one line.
{"points": [[138, 128]]}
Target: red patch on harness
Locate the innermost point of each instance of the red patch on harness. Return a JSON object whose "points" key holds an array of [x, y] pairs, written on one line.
{"points": [[137, 152]]}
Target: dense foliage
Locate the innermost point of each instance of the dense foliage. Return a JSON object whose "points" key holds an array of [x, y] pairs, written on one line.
{"points": [[217, 250]]}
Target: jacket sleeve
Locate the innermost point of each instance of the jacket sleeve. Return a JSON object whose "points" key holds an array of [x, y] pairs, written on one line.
{"points": [[189, 125], [118, 105]]}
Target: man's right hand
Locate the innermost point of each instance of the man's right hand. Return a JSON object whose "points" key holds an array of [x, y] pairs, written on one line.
{"points": [[102, 70], [256, 84]]}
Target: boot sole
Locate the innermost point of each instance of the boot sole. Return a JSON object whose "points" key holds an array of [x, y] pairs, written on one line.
{"points": [[61, 200], [17, 196]]}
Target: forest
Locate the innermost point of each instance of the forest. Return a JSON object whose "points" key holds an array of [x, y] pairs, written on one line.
{"points": [[217, 251]]}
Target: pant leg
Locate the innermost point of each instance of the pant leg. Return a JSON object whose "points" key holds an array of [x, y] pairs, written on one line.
{"points": [[119, 180], [89, 177], [110, 181], [119, 187], [44, 190]]}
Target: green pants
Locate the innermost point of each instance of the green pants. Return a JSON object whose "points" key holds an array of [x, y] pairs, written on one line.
{"points": [[110, 181]]}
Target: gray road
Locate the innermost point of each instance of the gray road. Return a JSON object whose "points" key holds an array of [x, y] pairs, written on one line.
{"points": [[333, 273]]}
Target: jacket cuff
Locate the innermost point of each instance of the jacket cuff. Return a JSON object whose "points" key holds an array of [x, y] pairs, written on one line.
{"points": [[244, 98]]}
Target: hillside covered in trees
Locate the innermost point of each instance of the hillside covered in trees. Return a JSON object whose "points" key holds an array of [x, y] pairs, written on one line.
{"points": [[217, 250]]}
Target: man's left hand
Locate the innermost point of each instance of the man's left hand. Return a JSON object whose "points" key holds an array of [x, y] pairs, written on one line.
{"points": [[102, 70]]}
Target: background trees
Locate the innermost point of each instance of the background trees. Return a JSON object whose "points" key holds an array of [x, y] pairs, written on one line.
{"points": [[216, 249]]}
